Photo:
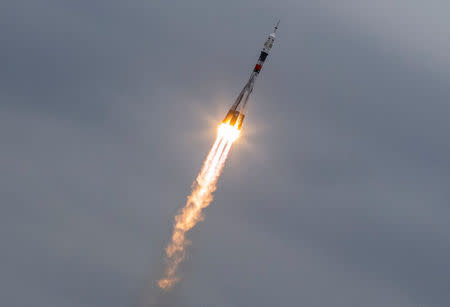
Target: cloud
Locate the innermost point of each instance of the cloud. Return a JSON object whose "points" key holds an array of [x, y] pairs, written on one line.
{"points": [[336, 194]]}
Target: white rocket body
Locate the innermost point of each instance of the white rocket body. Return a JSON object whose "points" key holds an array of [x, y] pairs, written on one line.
{"points": [[236, 113]]}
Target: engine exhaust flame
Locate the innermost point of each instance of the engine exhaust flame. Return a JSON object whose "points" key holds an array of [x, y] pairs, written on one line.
{"points": [[200, 197]]}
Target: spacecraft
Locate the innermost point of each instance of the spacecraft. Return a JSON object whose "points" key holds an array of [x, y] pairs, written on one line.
{"points": [[236, 114]]}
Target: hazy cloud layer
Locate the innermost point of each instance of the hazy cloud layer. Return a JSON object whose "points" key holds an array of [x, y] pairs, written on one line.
{"points": [[336, 195]]}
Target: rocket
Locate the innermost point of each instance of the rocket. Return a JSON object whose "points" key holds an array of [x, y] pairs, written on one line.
{"points": [[236, 114]]}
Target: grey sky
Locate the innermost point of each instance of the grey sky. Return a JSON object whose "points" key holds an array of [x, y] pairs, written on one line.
{"points": [[337, 194]]}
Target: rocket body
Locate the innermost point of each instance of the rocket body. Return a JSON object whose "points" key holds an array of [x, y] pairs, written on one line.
{"points": [[236, 114]]}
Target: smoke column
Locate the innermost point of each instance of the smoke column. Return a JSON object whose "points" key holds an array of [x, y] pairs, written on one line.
{"points": [[200, 197]]}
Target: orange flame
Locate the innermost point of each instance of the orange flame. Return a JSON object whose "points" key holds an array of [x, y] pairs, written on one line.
{"points": [[200, 197]]}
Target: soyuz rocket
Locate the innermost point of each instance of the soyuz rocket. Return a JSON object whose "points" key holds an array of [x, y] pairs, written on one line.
{"points": [[236, 114]]}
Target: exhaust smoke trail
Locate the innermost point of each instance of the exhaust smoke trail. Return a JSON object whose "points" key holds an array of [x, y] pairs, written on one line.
{"points": [[200, 197]]}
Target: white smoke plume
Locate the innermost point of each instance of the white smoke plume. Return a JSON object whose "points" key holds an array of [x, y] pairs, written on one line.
{"points": [[200, 197]]}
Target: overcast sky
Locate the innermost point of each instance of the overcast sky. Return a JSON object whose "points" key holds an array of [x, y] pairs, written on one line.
{"points": [[337, 193]]}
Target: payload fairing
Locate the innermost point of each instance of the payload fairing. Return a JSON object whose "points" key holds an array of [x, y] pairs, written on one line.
{"points": [[236, 114]]}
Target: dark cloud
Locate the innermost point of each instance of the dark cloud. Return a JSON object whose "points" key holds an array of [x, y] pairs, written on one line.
{"points": [[337, 194]]}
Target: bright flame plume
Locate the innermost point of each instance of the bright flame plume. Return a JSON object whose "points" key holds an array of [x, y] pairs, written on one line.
{"points": [[200, 197]]}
